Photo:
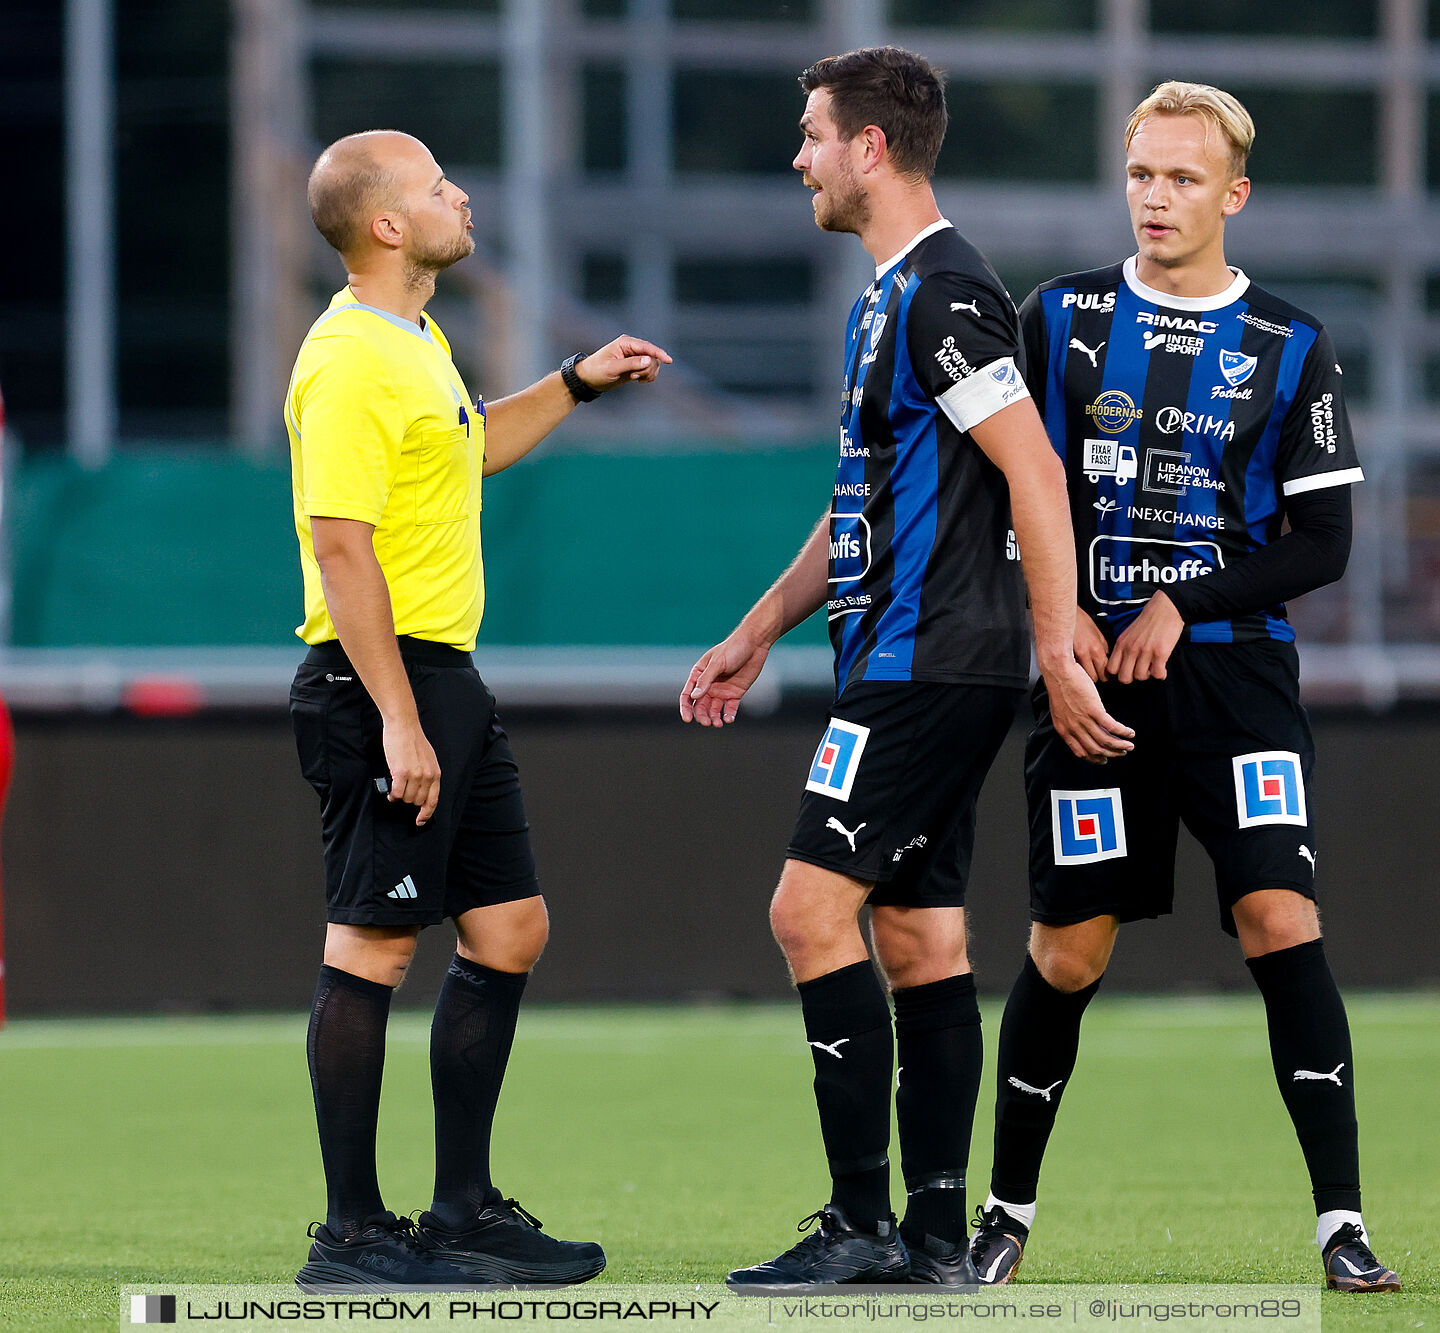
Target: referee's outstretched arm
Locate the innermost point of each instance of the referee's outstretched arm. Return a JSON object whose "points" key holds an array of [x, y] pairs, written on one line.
{"points": [[515, 425]]}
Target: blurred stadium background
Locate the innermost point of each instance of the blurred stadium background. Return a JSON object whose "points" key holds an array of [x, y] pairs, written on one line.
{"points": [[628, 166]]}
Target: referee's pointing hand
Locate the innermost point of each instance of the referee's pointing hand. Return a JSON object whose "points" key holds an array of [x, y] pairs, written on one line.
{"points": [[621, 361]]}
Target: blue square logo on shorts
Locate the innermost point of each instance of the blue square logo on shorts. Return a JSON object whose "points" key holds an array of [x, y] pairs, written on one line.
{"points": [[1269, 788], [1087, 826], [832, 772]]}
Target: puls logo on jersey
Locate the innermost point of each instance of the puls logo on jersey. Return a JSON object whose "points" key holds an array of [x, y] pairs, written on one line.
{"points": [[1125, 571], [1269, 788], [837, 759], [1087, 826], [1168, 472], [1089, 301], [1114, 411], [1172, 420], [1106, 458], [1322, 422]]}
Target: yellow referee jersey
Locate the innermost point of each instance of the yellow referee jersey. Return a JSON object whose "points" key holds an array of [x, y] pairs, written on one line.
{"points": [[382, 430]]}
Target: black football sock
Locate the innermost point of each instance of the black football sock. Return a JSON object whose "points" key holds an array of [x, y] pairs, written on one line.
{"points": [[346, 1050], [847, 1024], [1310, 1049], [470, 1039], [1039, 1037], [937, 1044]]}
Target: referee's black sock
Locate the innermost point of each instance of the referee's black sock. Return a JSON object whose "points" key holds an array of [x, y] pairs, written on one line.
{"points": [[1039, 1038], [346, 1050], [937, 1044], [470, 1039], [847, 1023], [1310, 1049]]}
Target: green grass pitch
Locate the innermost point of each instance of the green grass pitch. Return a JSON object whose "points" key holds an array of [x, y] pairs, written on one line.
{"points": [[182, 1150]]}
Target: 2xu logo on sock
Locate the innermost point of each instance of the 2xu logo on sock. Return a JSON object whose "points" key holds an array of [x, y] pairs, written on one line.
{"points": [[152, 1309]]}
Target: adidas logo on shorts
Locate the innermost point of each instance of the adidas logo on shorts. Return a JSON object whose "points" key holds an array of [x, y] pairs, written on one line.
{"points": [[404, 889]]}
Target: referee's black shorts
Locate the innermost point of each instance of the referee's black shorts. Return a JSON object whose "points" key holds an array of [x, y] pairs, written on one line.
{"points": [[1221, 743], [380, 869], [890, 798]]}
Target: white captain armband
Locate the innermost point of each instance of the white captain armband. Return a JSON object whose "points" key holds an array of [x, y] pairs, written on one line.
{"points": [[983, 393], [1321, 480]]}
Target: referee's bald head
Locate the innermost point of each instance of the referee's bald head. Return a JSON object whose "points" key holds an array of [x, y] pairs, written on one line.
{"points": [[353, 180]]}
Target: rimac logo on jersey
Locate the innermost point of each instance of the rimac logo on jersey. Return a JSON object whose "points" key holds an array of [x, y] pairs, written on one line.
{"points": [[832, 773], [1113, 411], [1087, 826], [1236, 367], [1128, 570], [1269, 788]]}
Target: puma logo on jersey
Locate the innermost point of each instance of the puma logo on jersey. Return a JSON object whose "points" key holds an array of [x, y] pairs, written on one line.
{"points": [[1310, 1076], [833, 1047], [1042, 1092], [1309, 856], [972, 306], [1091, 352], [844, 832]]}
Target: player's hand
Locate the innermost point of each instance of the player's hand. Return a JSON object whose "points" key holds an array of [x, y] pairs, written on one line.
{"points": [[414, 769], [621, 361], [1145, 645], [1091, 650], [717, 681], [1080, 718]]}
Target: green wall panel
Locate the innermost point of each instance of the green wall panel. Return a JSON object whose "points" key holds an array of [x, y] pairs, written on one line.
{"points": [[579, 548]]}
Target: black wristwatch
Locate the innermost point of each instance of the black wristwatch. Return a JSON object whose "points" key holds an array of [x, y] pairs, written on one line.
{"points": [[579, 390]]}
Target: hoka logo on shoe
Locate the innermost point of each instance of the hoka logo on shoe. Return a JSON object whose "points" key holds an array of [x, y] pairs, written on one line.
{"points": [[1310, 1076], [380, 1263], [1040, 1092]]}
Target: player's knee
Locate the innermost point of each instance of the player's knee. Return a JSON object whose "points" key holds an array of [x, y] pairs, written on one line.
{"points": [[1273, 919], [798, 928], [1066, 968], [376, 954], [510, 937]]}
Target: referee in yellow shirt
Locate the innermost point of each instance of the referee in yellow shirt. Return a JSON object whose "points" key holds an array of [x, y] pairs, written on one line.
{"points": [[421, 811]]}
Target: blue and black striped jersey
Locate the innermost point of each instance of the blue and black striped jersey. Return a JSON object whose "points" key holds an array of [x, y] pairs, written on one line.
{"points": [[924, 578], [1183, 424]]}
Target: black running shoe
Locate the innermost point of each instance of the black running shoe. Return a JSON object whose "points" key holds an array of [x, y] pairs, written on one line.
{"points": [[382, 1254], [835, 1253], [940, 1263], [997, 1247], [503, 1244], [1350, 1266]]}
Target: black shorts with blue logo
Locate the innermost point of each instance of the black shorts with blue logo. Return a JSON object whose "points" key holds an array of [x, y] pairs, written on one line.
{"points": [[380, 869], [890, 797], [1222, 743]]}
